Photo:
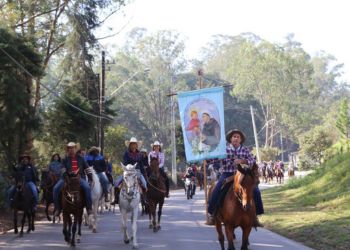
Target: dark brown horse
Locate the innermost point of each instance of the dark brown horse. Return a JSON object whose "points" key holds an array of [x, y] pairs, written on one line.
{"points": [[279, 174], [238, 209], [155, 194], [72, 204], [48, 181], [23, 200]]}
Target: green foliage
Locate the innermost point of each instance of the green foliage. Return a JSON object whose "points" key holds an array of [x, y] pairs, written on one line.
{"points": [[343, 119], [313, 146], [17, 117], [267, 153], [115, 137]]}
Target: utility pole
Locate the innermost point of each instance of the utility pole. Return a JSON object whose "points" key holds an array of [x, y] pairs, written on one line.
{"points": [[255, 134], [101, 104], [282, 156], [173, 139]]}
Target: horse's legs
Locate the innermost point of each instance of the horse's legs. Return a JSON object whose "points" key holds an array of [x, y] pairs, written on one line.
{"points": [[74, 229], [150, 214], [15, 220], [160, 208], [94, 216], [33, 219], [47, 211], [29, 222], [245, 238], [124, 226], [134, 227], [23, 221], [229, 237], [153, 211], [80, 220], [221, 237]]}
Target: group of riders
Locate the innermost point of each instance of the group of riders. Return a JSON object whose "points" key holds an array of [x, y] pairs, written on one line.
{"points": [[77, 161]]}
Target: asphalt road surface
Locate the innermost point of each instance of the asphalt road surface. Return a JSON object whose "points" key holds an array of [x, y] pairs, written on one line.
{"points": [[182, 228]]}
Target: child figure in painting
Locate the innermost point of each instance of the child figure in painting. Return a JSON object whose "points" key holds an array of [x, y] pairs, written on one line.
{"points": [[194, 122]]}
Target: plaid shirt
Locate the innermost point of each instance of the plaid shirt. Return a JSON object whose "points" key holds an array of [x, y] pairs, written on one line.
{"points": [[159, 155], [241, 152]]}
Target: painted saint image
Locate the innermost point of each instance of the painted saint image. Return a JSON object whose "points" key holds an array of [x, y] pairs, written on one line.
{"points": [[202, 125]]}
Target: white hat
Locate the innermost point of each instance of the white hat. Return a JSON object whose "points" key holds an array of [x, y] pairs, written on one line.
{"points": [[133, 139], [71, 144], [157, 143]]}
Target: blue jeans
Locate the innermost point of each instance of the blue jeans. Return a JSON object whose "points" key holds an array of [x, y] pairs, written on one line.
{"points": [[11, 192], [120, 180], [259, 207], [215, 195], [104, 181], [83, 184]]}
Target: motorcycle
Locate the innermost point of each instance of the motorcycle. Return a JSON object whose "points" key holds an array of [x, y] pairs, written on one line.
{"points": [[189, 187]]}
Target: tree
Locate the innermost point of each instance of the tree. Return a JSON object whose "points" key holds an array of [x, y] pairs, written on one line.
{"points": [[114, 142], [17, 116], [343, 119]]}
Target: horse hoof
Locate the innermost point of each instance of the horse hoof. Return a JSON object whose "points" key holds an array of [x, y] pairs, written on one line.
{"points": [[150, 226], [135, 246], [16, 231], [159, 227], [155, 230], [94, 230], [126, 241]]}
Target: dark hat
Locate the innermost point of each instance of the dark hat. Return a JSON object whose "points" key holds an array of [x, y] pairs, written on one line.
{"points": [[24, 156], [235, 131]]}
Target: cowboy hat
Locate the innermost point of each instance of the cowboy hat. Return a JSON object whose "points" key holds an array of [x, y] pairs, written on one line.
{"points": [[133, 140], [235, 131], [94, 148], [25, 155], [157, 143], [71, 145], [143, 150]]}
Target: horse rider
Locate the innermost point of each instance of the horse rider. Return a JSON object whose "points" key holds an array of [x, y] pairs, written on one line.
{"points": [[157, 153], [97, 161], [145, 161], [236, 154], [30, 179], [132, 155], [55, 166], [73, 163]]}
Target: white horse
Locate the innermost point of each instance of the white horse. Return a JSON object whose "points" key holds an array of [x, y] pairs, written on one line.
{"points": [[96, 197], [129, 199]]}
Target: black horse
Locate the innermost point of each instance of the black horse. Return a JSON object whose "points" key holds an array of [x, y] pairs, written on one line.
{"points": [[23, 200], [48, 181]]}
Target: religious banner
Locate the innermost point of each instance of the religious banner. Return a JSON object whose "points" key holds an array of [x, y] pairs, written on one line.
{"points": [[202, 121]]}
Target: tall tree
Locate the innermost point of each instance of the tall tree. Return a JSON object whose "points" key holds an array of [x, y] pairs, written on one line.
{"points": [[343, 119]]}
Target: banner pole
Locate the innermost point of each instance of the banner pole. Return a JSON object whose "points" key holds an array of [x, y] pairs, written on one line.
{"points": [[205, 191]]}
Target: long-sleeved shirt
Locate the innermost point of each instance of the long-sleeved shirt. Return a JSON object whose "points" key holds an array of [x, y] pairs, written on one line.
{"points": [[233, 153], [159, 155]]}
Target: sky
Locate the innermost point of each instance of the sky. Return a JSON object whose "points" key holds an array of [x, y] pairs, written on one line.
{"points": [[321, 25]]}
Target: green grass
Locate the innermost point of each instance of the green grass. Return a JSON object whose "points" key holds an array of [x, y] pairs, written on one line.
{"points": [[314, 210]]}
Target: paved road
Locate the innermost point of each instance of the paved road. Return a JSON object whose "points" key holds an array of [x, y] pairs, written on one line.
{"points": [[182, 228]]}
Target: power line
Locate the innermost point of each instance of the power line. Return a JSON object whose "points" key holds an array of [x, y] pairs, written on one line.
{"points": [[51, 91]]}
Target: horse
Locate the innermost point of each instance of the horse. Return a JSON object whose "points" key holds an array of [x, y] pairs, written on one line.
{"points": [[279, 174], [238, 209], [48, 181], [291, 172], [96, 197], [269, 174], [155, 194], [110, 188], [23, 200], [72, 204], [129, 199], [200, 179]]}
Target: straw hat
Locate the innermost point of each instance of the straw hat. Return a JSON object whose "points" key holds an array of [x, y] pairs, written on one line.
{"points": [[94, 148], [157, 143], [133, 139]]}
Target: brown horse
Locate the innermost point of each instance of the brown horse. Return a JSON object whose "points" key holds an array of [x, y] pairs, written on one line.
{"points": [[238, 209], [155, 194], [48, 181], [72, 204], [279, 174]]}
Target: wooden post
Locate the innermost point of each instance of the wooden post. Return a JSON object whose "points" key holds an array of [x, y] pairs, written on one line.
{"points": [[205, 191]]}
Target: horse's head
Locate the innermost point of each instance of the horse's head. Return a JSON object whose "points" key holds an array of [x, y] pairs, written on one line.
{"points": [[154, 166], [245, 187], [72, 182], [130, 178]]}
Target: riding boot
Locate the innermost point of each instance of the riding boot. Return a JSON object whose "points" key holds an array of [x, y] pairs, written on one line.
{"points": [[116, 196], [257, 223], [211, 220]]}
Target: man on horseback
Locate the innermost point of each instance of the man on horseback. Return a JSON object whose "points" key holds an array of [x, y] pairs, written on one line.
{"points": [[30, 179], [157, 153], [97, 161], [131, 156], [73, 163], [236, 154]]}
